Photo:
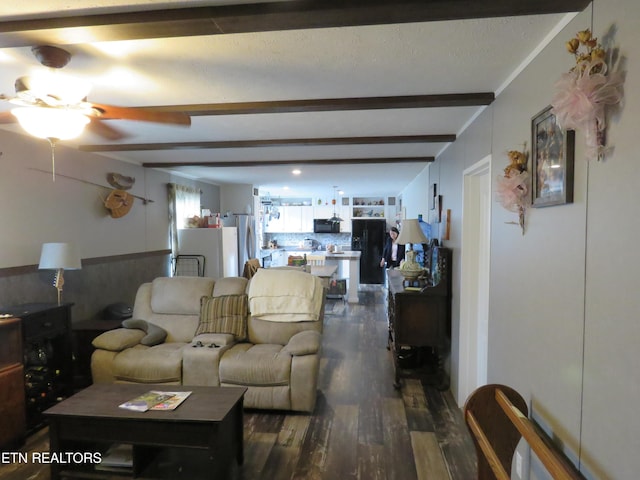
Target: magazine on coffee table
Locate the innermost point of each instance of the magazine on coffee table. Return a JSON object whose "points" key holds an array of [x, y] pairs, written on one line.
{"points": [[172, 403], [155, 400]]}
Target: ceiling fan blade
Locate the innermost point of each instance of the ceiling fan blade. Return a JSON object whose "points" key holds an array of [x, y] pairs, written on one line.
{"points": [[7, 117], [105, 131], [140, 114]]}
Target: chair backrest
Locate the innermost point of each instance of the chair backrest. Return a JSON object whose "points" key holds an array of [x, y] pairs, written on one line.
{"points": [[315, 259], [285, 285], [250, 268], [502, 435]]}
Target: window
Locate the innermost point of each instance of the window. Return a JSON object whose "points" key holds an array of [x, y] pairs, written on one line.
{"points": [[184, 203]]}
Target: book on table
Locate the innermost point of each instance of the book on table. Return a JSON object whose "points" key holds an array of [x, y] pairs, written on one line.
{"points": [[119, 458], [155, 400]]}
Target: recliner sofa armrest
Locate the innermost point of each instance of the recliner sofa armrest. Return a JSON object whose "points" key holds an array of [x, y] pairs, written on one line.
{"points": [[304, 343], [118, 339]]}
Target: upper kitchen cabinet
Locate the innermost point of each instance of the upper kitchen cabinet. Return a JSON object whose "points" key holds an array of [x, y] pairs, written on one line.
{"points": [[345, 214], [298, 219], [291, 219]]}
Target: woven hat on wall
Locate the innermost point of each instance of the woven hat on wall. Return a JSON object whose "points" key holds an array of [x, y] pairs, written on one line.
{"points": [[119, 203]]}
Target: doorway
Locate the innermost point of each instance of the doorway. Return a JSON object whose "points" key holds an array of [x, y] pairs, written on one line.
{"points": [[474, 288]]}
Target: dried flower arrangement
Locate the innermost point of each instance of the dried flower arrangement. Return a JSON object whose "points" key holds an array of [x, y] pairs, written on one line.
{"points": [[512, 189], [583, 93]]}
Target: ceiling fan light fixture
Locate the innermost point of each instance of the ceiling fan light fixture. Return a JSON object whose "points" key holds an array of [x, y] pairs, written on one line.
{"points": [[51, 123], [52, 87]]}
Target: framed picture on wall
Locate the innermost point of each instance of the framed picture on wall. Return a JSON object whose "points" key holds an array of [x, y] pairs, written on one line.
{"points": [[552, 158]]}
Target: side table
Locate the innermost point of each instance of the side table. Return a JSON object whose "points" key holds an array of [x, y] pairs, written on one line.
{"points": [[83, 334]]}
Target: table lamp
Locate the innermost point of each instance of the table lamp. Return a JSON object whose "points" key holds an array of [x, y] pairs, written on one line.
{"points": [[59, 256], [411, 233]]}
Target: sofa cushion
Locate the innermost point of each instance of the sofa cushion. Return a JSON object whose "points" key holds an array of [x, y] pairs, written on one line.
{"points": [[224, 314], [118, 339], [229, 286], [179, 295], [159, 364], [154, 333], [257, 365]]}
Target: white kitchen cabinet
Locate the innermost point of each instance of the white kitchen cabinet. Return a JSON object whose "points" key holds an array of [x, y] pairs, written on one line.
{"points": [[278, 258], [345, 215], [307, 219], [273, 224], [293, 219]]}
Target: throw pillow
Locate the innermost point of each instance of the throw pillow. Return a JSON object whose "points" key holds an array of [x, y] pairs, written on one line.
{"points": [[154, 333], [224, 314]]}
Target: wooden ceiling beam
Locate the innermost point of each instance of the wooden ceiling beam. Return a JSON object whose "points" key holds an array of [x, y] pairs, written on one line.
{"points": [[284, 142], [272, 163], [75, 28], [332, 104]]}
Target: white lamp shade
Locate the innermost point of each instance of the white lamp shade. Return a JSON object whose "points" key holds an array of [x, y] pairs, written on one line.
{"points": [[411, 233], [55, 123], [59, 255]]}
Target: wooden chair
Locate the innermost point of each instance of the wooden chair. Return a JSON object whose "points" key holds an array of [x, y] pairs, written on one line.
{"points": [[251, 266], [496, 416], [315, 259]]}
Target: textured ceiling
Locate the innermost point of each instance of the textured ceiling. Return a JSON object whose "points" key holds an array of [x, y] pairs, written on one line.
{"points": [[460, 56]]}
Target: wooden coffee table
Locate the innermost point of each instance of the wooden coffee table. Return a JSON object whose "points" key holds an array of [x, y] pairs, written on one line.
{"points": [[199, 438]]}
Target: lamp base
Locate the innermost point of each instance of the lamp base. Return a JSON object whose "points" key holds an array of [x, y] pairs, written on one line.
{"points": [[58, 282]]}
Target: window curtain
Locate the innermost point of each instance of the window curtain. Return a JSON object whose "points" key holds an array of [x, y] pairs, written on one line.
{"points": [[184, 202]]}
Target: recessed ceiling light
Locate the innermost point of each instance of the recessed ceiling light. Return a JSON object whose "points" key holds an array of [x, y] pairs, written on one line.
{"points": [[285, 188], [296, 171]]}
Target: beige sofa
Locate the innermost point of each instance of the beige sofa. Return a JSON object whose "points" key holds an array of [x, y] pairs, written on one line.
{"points": [[278, 358]]}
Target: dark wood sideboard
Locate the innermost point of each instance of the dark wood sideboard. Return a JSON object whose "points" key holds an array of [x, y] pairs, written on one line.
{"points": [[420, 321], [12, 414], [48, 357]]}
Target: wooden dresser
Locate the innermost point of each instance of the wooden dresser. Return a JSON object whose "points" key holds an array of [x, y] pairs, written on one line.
{"points": [[12, 406], [48, 357], [420, 321]]}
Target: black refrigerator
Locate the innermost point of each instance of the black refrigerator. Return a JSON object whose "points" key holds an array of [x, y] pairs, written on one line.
{"points": [[367, 236]]}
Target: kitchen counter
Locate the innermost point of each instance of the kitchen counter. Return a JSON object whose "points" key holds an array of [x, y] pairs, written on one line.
{"points": [[349, 266], [344, 255], [265, 252], [347, 260]]}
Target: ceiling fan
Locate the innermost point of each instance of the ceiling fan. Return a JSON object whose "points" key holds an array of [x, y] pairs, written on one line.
{"points": [[42, 100]]}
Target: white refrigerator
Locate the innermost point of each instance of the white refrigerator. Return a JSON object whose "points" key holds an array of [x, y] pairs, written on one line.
{"points": [[219, 246]]}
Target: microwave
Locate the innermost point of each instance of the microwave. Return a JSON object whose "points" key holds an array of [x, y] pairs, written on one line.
{"points": [[323, 225]]}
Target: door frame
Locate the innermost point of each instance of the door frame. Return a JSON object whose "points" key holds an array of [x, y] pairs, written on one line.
{"points": [[474, 285]]}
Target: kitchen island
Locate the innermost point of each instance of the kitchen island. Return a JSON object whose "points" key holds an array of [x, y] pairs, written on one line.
{"points": [[347, 261], [349, 265]]}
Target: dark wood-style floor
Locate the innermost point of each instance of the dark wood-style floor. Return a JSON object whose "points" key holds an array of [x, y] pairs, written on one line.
{"points": [[362, 428]]}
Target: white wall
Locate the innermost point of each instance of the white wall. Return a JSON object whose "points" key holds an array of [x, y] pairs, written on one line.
{"points": [[563, 324], [34, 209], [236, 198], [415, 196]]}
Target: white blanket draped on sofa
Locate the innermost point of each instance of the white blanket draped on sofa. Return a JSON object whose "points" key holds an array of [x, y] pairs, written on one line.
{"points": [[300, 300]]}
